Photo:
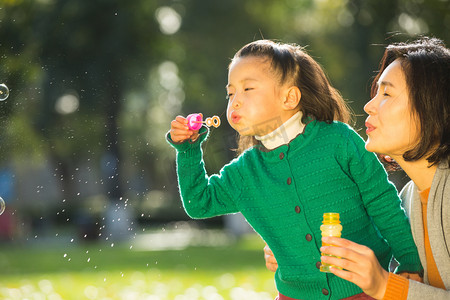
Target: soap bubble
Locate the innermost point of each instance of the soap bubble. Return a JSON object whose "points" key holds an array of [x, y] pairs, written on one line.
{"points": [[2, 205], [4, 92]]}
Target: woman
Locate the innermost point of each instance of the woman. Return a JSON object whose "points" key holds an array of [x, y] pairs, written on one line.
{"points": [[409, 122]]}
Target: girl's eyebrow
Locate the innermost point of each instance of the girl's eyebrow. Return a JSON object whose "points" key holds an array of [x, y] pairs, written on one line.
{"points": [[243, 80]]}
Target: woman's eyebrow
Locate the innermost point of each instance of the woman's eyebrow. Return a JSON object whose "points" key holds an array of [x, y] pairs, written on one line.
{"points": [[385, 83]]}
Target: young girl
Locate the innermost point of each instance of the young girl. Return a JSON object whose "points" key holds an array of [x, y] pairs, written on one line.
{"points": [[297, 163]]}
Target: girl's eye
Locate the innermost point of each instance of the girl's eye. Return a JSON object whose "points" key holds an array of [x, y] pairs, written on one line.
{"points": [[248, 89], [229, 96]]}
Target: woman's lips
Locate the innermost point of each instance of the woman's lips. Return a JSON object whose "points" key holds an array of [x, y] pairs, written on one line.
{"points": [[369, 127]]}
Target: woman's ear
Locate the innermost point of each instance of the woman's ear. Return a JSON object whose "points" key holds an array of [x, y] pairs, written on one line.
{"points": [[293, 96]]}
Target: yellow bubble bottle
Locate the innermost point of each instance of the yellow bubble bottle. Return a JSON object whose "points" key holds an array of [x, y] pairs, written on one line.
{"points": [[331, 227]]}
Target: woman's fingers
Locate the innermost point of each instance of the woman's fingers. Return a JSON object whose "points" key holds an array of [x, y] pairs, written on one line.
{"points": [[349, 276], [359, 265], [341, 263], [346, 249], [271, 262], [267, 250], [335, 241], [413, 276]]}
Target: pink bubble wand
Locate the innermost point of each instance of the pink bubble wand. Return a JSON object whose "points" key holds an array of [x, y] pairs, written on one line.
{"points": [[195, 121]]}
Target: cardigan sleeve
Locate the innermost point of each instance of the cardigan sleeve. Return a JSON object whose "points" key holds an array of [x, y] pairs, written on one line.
{"points": [[203, 196], [382, 203]]}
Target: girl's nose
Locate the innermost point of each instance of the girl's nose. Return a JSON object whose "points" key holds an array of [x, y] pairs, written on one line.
{"points": [[235, 102]]}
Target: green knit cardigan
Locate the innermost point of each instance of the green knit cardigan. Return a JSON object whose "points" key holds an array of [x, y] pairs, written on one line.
{"points": [[283, 194]]}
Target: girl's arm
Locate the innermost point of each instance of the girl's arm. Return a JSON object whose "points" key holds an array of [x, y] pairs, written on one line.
{"points": [[382, 203], [202, 196]]}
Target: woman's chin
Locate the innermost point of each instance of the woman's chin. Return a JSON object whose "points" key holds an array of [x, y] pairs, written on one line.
{"points": [[371, 147]]}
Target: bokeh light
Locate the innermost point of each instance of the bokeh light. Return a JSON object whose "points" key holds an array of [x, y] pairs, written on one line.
{"points": [[4, 92]]}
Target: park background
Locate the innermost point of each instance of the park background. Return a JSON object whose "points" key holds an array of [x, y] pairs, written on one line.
{"points": [[92, 206]]}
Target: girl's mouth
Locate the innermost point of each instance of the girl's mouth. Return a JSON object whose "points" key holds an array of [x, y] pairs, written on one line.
{"points": [[235, 118]]}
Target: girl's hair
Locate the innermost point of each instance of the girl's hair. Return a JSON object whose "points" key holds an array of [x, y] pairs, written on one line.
{"points": [[426, 67], [319, 101]]}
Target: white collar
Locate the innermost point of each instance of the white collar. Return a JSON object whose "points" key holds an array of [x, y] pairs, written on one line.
{"points": [[283, 134]]}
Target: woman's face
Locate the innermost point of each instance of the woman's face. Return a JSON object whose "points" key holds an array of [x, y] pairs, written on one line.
{"points": [[255, 97], [392, 128]]}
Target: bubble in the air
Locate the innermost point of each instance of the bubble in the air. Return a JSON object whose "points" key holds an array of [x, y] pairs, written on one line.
{"points": [[2, 205], [4, 92]]}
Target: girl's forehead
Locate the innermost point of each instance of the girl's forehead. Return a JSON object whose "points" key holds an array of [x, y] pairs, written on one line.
{"points": [[258, 66], [250, 60]]}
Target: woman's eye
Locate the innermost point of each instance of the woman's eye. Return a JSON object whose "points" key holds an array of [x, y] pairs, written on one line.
{"points": [[229, 96], [248, 89]]}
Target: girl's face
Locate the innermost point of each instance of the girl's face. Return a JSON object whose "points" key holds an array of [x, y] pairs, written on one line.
{"points": [[391, 126], [254, 97]]}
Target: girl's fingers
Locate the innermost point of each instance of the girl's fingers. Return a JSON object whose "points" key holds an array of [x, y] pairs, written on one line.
{"points": [[179, 131], [179, 124], [181, 119], [179, 135], [182, 131]]}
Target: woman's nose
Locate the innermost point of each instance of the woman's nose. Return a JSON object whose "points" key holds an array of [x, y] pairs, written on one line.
{"points": [[369, 108]]}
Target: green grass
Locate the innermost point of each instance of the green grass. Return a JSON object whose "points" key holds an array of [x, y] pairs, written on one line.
{"points": [[99, 271]]}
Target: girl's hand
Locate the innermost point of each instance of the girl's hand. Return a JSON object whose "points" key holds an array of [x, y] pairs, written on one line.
{"points": [[359, 263], [180, 132], [271, 262]]}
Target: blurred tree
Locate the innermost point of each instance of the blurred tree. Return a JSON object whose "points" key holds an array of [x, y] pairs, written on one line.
{"points": [[99, 81], [87, 52]]}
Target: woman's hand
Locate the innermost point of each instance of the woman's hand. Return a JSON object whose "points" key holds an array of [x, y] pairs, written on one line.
{"points": [[412, 276], [180, 132], [359, 264], [271, 262]]}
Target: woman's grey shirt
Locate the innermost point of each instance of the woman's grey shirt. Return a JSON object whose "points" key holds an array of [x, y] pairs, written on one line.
{"points": [[438, 223]]}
